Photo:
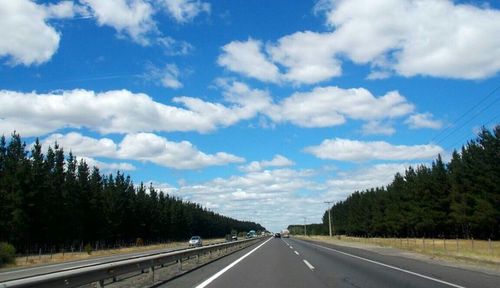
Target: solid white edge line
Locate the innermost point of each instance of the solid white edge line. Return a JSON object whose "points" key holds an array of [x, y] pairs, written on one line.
{"points": [[308, 264], [296, 252], [391, 267], [218, 274]]}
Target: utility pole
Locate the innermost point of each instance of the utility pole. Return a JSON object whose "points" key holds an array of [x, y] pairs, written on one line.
{"points": [[305, 226], [329, 216]]}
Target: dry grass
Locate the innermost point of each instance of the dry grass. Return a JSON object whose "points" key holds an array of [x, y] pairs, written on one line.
{"points": [[25, 261], [468, 250]]}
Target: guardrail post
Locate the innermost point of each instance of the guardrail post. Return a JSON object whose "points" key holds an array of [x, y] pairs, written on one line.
{"points": [[152, 274], [99, 284], [197, 258], [179, 265]]}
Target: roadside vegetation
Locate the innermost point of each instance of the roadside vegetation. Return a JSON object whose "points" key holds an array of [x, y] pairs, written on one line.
{"points": [[459, 199], [60, 256], [51, 202]]}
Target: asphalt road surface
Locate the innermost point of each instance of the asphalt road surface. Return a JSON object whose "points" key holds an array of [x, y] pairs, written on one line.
{"points": [[297, 263]]}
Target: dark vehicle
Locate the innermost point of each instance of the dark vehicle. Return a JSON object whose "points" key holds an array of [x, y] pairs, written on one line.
{"points": [[277, 235]]}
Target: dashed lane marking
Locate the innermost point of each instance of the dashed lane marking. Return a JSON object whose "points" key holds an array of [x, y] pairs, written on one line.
{"points": [[308, 264]]}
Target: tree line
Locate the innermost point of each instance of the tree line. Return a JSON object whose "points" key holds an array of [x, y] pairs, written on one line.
{"points": [[53, 200], [457, 199]]}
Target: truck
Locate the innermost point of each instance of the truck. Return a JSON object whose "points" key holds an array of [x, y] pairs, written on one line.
{"points": [[285, 233]]}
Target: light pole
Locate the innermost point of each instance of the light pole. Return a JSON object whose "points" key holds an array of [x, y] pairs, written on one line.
{"points": [[329, 216]]}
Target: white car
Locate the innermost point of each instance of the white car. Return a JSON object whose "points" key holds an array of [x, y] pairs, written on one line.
{"points": [[195, 241]]}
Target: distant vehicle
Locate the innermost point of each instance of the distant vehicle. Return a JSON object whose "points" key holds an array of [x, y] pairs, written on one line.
{"points": [[277, 235], [285, 233], [251, 234], [195, 241], [234, 238]]}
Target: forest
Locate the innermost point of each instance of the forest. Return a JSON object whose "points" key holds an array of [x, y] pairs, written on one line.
{"points": [[53, 200], [459, 199]]}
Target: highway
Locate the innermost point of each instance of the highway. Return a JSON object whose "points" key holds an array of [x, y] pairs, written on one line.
{"points": [[296, 263]]}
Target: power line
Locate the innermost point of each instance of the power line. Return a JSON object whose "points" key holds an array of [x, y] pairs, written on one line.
{"points": [[464, 114], [468, 121]]}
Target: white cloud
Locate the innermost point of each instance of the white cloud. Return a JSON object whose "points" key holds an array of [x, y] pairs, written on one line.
{"points": [[329, 106], [270, 197], [174, 47], [167, 76], [184, 11], [423, 120], [133, 18], [118, 111], [178, 155], [378, 175], [277, 161], [353, 150], [142, 147], [105, 166], [25, 36], [247, 58], [377, 128], [430, 37], [307, 56], [82, 145], [279, 197], [33, 114], [64, 9]]}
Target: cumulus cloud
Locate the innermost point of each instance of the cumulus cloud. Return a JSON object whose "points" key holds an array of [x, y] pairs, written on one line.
{"points": [[282, 196], [353, 150], [118, 111], [377, 128], [146, 147], [83, 145], [277, 161], [247, 58], [34, 114], [378, 175], [184, 11], [329, 106], [423, 120], [431, 37], [27, 39], [133, 18]]}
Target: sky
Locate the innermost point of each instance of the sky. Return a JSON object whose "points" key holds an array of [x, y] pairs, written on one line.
{"points": [[258, 110]]}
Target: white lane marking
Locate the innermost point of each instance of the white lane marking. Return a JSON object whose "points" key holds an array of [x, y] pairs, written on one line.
{"points": [[308, 264], [391, 267], [296, 252], [217, 275], [291, 247]]}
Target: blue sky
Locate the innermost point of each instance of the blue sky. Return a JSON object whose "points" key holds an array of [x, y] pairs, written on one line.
{"points": [[257, 111]]}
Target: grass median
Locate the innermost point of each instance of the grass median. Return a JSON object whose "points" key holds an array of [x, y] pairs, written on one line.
{"points": [[31, 260]]}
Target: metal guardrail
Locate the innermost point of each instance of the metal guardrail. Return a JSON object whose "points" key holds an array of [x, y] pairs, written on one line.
{"points": [[99, 272]]}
